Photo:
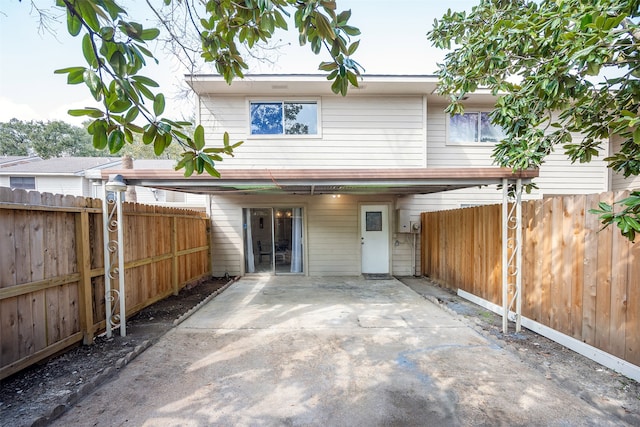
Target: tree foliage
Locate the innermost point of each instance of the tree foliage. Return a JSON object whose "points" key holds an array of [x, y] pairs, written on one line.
{"points": [[45, 139], [561, 67], [116, 50]]}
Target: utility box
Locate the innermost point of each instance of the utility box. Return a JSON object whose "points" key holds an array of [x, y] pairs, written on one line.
{"points": [[403, 222]]}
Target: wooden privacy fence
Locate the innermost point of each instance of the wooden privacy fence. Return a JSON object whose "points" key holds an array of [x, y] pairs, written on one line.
{"points": [[576, 279], [52, 268]]}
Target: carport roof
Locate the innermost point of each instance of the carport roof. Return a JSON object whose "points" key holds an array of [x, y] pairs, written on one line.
{"points": [[323, 181]]}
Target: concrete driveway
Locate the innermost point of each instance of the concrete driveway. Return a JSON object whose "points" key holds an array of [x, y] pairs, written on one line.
{"points": [[327, 351]]}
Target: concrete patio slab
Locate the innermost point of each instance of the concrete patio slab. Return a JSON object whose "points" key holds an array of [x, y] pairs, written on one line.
{"points": [[328, 351]]}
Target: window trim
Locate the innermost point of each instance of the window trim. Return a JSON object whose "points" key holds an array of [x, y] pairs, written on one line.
{"points": [[479, 142], [22, 177], [283, 100]]}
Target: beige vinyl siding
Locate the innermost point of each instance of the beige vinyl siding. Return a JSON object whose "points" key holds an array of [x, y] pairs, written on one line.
{"points": [[356, 132], [618, 181], [226, 236], [72, 185], [443, 155], [331, 240], [557, 175], [333, 237], [402, 243]]}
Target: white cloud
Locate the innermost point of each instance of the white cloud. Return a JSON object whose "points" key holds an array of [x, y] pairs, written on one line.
{"points": [[10, 109], [60, 112]]}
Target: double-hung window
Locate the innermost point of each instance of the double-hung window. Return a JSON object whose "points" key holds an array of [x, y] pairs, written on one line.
{"points": [[473, 127], [23, 182], [283, 117]]}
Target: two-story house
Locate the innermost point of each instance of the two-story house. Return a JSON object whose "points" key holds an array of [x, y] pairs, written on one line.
{"points": [[332, 185]]}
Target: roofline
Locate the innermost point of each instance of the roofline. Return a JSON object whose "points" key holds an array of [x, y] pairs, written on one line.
{"points": [[358, 175], [323, 77]]}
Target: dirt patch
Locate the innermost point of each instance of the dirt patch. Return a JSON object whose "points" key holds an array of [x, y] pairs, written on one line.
{"points": [[603, 388], [42, 392]]}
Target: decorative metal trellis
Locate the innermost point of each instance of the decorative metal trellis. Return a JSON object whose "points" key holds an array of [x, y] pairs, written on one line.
{"points": [[511, 253], [114, 259]]}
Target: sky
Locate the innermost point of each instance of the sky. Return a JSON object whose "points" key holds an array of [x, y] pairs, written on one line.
{"points": [[393, 41]]}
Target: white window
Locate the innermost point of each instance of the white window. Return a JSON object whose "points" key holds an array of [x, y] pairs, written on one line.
{"points": [[473, 127], [283, 117], [23, 182]]}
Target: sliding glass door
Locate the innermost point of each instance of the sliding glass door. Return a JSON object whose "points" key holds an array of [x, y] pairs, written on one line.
{"points": [[273, 240]]}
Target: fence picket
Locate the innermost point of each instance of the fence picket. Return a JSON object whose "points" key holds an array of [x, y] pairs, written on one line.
{"points": [[577, 279], [45, 261], [632, 337]]}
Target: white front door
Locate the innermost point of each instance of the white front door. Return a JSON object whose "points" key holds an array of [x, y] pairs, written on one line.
{"points": [[374, 236]]}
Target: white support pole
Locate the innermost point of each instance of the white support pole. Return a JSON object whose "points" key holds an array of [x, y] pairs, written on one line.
{"points": [[114, 256], [107, 260], [518, 248], [121, 269], [505, 256]]}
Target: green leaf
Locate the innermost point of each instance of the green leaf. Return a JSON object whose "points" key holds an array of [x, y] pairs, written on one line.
{"points": [[351, 31], [118, 62], [159, 144], [119, 105], [198, 137], [636, 135], [91, 112], [144, 81], [132, 114], [89, 14], [149, 33], [74, 25], [144, 90], [115, 141], [324, 27], [353, 47], [149, 133], [188, 167], [327, 66], [158, 104], [94, 83], [211, 170], [88, 52]]}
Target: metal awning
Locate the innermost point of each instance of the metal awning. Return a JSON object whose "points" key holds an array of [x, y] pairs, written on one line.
{"points": [[323, 181]]}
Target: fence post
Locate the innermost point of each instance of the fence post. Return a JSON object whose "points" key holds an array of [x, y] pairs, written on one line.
{"points": [[174, 255], [83, 257]]}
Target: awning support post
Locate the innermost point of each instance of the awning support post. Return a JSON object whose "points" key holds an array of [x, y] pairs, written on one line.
{"points": [[113, 224], [511, 253], [505, 258]]}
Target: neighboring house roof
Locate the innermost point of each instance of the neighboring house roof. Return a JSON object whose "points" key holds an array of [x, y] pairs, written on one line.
{"points": [[323, 181], [61, 166], [6, 161]]}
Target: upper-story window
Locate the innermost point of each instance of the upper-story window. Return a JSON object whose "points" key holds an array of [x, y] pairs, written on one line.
{"points": [[23, 182], [473, 127], [284, 117]]}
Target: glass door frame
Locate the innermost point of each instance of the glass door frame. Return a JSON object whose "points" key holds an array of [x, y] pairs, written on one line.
{"points": [[275, 251]]}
